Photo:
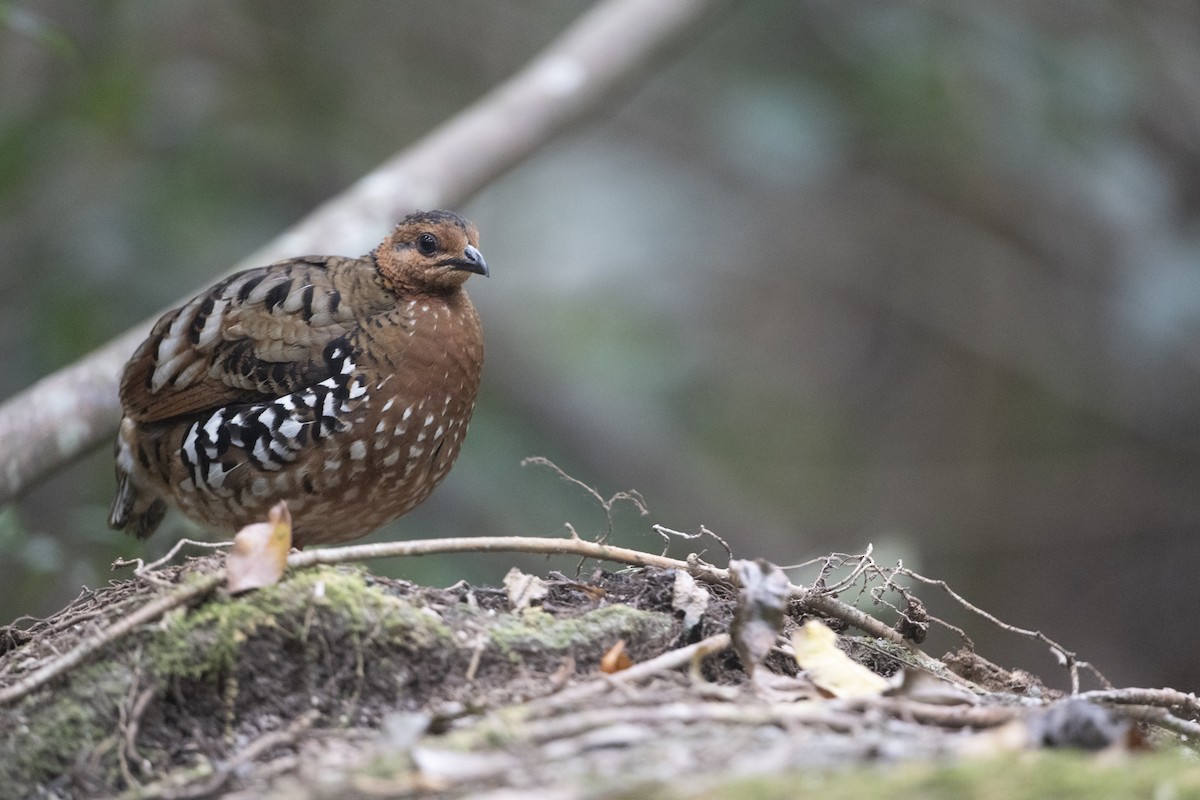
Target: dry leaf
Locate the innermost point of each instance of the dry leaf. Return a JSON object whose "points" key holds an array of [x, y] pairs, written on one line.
{"points": [[1079, 724], [762, 600], [616, 659], [523, 589], [831, 670], [260, 551], [690, 598]]}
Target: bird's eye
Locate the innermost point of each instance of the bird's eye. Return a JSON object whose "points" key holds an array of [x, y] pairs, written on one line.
{"points": [[427, 243]]}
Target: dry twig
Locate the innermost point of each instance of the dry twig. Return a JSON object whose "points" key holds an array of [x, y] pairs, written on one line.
{"points": [[1171, 699], [630, 496], [671, 660], [1065, 657], [122, 627]]}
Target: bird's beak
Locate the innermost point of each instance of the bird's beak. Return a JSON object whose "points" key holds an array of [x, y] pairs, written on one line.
{"points": [[470, 261]]}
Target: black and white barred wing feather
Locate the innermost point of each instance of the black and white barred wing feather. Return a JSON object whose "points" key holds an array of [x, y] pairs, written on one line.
{"points": [[257, 365]]}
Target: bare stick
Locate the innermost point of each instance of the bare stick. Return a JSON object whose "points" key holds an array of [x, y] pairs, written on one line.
{"points": [[1161, 707], [607, 49], [672, 659], [147, 613], [1164, 719], [1066, 657], [142, 569], [501, 544], [843, 716], [666, 533], [631, 495], [1170, 699]]}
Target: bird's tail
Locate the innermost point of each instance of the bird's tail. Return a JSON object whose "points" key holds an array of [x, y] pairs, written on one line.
{"points": [[134, 509]]}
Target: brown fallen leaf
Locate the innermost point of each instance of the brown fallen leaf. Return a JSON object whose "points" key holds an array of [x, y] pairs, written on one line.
{"points": [[831, 670], [762, 600], [616, 659], [260, 551]]}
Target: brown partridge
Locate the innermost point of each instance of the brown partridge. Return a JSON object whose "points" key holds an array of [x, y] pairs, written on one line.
{"points": [[341, 385]]}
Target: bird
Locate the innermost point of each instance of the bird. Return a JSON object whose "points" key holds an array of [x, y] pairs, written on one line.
{"points": [[342, 386]]}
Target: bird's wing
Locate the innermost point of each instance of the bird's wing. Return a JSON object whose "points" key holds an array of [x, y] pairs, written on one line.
{"points": [[257, 335]]}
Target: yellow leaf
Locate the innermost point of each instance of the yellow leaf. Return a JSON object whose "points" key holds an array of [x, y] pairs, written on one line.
{"points": [[260, 551], [831, 670]]}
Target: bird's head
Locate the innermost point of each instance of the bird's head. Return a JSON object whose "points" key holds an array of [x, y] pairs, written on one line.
{"points": [[431, 251]]}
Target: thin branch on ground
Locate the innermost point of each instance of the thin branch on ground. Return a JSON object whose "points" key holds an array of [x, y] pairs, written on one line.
{"points": [[632, 496], [124, 626], [1067, 658], [144, 570], [666, 533], [1179, 702], [1164, 719], [843, 716], [862, 563], [671, 660]]}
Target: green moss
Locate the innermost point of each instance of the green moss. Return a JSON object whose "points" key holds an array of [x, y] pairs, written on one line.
{"points": [[536, 630], [1061, 775], [49, 732], [205, 641]]}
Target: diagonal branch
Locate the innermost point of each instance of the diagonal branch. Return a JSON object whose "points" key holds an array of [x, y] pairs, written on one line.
{"points": [[608, 49]]}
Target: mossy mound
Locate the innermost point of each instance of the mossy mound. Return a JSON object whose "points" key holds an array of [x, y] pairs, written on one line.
{"points": [[185, 693]]}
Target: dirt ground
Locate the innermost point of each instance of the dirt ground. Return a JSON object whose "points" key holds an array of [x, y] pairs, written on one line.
{"points": [[337, 683]]}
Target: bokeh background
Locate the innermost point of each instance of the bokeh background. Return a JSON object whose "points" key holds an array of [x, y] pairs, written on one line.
{"points": [[923, 275]]}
